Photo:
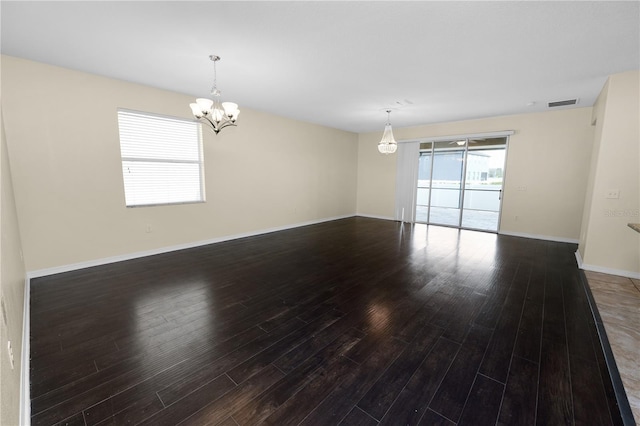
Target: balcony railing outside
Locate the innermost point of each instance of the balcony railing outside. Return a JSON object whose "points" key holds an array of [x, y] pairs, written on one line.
{"points": [[481, 204]]}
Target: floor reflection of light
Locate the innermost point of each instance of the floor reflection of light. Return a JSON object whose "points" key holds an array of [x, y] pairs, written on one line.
{"points": [[176, 317], [378, 318], [419, 237]]}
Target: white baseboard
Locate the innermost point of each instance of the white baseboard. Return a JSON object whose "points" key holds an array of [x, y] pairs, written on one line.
{"points": [[540, 237], [605, 270], [370, 216], [25, 395], [136, 255], [579, 259]]}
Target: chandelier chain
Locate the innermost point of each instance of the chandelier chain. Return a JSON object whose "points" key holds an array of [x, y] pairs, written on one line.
{"points": [[214, 89]]}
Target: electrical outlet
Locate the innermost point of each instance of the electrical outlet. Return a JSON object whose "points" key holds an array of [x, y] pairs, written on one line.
{"points": [[613, 194], [10, 353], [522, 188], [149, 228]]}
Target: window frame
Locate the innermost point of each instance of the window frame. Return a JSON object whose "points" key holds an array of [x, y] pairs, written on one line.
{"points": [[200, 161]]}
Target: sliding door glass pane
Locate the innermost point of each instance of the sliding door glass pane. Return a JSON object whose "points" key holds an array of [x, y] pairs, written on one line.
{"points": [[446, 184], [483, 186]]}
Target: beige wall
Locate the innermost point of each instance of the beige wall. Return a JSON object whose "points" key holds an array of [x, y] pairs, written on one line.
{"points": [[606, 243], [596, 120], [12, 283], [548, 154], [62, 136]]}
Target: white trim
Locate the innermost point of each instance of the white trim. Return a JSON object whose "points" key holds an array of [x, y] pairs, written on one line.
{"points": [[156, 115], [608, 271], [579, 259], [501, 133], [97, 262], [25, 396], [372, 216], [540, 237]]}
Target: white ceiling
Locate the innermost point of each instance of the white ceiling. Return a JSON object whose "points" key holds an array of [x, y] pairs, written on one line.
{"points": [[341, 64]]}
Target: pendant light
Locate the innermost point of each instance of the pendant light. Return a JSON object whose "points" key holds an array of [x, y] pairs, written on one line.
{"points": [[388, 144], [217, 115]]}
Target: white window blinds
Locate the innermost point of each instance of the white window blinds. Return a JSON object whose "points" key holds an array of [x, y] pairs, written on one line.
{"points": [[161, 159]]}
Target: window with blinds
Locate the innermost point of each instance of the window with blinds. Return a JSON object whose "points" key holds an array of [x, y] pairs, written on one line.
{"points": [[161, 159]]}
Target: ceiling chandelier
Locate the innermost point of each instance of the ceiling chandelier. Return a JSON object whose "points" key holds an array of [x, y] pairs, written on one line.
{"points": [[214, 113], [388, 144]]}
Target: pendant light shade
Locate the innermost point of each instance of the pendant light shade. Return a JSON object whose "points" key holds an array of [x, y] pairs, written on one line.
{"points": [[388, 144]]}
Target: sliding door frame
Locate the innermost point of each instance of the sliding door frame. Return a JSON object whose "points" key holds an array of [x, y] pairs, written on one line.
{"points": [[404, 170]]}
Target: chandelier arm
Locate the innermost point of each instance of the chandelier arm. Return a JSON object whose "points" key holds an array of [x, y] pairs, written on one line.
{"points": [[211, 123], [217, 127], [227, 124]]}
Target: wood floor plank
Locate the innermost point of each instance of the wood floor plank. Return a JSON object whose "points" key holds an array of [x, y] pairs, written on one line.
{"points": [[134, 412], [380, 397], [350, 321], [294, 410], [555, 405], [105, 384], [459, 301], [76, 420], [520, 395], [431, 418], [292, 340], [450, 397], [354, 386], [60, 374], [460, 323], [267, 403], [529, 332], [483, 403], [197, 400], [588, 394], [411, 404], [357, 417], [208, 369], [490, 312], [297, 355], [496, 361], [236, 399], [424, 315]]}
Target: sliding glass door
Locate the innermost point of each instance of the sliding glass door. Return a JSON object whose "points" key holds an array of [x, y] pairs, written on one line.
{"points": [[460, 183]]}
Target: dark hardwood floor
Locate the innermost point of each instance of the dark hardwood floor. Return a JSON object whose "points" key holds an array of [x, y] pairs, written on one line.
{"points": [[352, 322]]}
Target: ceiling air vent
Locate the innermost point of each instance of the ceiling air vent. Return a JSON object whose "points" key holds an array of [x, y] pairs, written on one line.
{"points": [[563, 103]]}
